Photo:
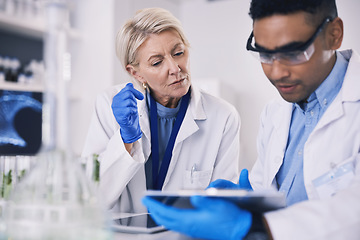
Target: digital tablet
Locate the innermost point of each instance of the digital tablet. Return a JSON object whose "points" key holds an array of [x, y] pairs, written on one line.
{"points": [[139, 223], [254, 201]]}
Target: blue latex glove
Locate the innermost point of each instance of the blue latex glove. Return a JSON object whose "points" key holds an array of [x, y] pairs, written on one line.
{"points": [[225, 184], [244, 182], [125, 110], [211, 218]]}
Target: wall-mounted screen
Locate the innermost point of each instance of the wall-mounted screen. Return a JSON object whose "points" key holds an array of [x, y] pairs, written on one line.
{"points": [[20, 122]]}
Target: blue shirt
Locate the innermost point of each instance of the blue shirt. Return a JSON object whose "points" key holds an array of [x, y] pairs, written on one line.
{"points": [[166, 119], [305, 116]]}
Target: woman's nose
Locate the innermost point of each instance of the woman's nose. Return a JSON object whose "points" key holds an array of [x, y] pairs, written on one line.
{"points": [[174, 67]]}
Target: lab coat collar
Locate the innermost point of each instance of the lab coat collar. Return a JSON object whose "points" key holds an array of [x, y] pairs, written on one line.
{"points": [[281, 122], [196, 105], [350, 91], [283, 116], [194, 112]]}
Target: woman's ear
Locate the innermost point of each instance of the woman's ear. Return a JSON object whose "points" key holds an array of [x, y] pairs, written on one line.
{"points": [[335, 33], [133, 72]]}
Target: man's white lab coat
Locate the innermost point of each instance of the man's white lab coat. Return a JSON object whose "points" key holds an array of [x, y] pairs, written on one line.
{"points": [[334, 142], [207, 140]]}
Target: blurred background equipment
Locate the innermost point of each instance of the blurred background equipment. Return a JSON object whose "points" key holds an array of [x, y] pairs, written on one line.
{"points": [[54, 199]]}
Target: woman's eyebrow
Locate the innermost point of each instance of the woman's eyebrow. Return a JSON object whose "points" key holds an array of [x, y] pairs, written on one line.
{"points": [[155, 56], [161, 56], [176, 46]]}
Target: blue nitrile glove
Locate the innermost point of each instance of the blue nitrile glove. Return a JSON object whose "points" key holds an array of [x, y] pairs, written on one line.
{"points": [[125, 110], [244, 182], [211, 218], [225, 184]]}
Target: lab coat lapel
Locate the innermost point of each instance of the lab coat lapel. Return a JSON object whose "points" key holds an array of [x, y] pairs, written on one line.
{"points": [[281, 122], [348, 93], [189, 126], [194, 112]]}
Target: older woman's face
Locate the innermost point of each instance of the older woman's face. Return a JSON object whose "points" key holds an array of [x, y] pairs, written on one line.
{"points": [[164, 66]]}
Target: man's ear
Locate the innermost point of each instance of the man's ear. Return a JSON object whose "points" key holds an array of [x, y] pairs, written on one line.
{"points": [[335, 33], [133, 72]]}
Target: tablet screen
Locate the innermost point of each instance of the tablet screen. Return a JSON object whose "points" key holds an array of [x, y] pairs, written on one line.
{"points": [[143, 220], [254, 201], [142, 223]]}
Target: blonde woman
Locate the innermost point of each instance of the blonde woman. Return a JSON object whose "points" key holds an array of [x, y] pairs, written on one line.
{"points": [[161, 132]]}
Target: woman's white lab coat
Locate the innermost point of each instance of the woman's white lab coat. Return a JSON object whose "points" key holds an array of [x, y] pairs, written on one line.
{"points": [[207, 140], [334, 142]]}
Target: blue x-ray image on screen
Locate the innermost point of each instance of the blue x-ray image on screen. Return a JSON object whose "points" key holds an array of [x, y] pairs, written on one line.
{"points": [[20, 122]]}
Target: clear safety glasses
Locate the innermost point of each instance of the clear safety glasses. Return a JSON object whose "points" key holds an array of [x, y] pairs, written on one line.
{"points": [[286, 56]]}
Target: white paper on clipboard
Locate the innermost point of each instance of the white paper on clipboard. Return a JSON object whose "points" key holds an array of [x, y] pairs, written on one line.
{"points": [[254, 201]]}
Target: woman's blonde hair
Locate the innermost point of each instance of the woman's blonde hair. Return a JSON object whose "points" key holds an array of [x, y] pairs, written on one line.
{"points": [[136, 30]]}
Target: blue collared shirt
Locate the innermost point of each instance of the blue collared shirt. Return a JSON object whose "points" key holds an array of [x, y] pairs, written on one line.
{"points": [[305, 116]]}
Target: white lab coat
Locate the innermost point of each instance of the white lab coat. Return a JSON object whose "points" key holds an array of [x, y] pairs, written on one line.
{"points": [[334, 141], [208, 137]]}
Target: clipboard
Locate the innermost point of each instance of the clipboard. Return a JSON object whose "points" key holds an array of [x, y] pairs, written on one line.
{"points": [[254, 201]]}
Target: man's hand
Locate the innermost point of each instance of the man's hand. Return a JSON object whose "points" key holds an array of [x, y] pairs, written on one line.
{"points": [[211, 218], [225, 184]]}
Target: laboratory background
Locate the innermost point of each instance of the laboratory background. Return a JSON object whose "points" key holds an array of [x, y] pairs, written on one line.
{"points": [[217, 31], [79, 39]]}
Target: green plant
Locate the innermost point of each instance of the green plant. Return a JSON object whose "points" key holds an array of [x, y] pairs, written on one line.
{"points": [[96, 171]]}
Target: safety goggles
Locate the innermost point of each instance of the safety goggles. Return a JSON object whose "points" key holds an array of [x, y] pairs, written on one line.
{"points": [[287, 56]]}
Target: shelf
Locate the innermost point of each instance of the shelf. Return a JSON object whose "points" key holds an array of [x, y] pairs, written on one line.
{"points": [[24, 27], [28, 27], [33, 87], [12, 86]]}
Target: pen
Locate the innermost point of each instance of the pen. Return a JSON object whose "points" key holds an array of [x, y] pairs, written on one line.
{"points": [[193, 169]]}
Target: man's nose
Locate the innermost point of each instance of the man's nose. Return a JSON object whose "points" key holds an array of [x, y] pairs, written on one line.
{"points": [[278, 70]]}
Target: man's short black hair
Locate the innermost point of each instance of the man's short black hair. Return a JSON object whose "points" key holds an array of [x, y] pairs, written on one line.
{"points": [[318, 10]]}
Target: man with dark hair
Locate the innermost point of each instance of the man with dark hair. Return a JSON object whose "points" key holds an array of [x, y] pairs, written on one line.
{"points": [[308, 145], [316, 10]]}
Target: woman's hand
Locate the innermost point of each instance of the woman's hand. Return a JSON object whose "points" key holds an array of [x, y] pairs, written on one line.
{"points": [[125, 110]]}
